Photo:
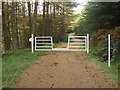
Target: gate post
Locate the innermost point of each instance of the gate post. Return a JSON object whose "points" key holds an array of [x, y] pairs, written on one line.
{"points": [[87, 43], [68, 42], [108, 50], [32, 43]]}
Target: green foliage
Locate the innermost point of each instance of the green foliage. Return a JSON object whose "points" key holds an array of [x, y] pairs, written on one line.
{"points": [[100, 19], [100, 41], [97, 16], [102, 52], [117, 28]]}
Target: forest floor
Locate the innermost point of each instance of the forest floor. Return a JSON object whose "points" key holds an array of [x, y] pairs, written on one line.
{"points": [[63, 69]]}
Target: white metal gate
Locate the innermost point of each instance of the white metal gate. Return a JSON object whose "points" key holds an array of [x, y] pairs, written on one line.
{"points": [[78, 43], [45, 43], [75, 43]]}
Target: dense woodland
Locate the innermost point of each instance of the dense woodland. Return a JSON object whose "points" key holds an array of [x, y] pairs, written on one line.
{"points": [[101, 19], [21, 19]]}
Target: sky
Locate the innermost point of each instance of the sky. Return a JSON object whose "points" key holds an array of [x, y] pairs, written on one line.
{"points": [[76, 9], [80, 7]]}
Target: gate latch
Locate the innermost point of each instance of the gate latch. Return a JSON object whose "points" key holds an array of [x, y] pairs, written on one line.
{"points": [[30, 39]]}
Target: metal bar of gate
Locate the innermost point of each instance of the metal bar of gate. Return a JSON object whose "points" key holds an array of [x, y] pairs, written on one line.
{"points": [[52, 42]]}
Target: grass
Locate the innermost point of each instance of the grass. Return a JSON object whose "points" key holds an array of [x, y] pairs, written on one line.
{"points": [[0, 72], [109, 72], [15, 62], [59, 43]]}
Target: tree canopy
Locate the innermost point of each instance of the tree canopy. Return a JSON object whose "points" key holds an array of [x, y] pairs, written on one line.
{"points": [[98, 16]]}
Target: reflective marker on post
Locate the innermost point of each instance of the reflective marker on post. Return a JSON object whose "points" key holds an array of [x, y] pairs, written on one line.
{"points": [[108, 50]]}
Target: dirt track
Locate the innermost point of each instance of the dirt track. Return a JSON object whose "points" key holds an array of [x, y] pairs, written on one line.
{"points": [[63, 70]]}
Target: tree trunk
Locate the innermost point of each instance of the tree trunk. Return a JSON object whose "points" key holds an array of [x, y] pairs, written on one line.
{"points": [[34, 17], [14, 28], [44, 29], [5, 26], [54, 11], [62, 32], [30, 18], [24, 36], [16, 24], [47, 19], [51, 19]]}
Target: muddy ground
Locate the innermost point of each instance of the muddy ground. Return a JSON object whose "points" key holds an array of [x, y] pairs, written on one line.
{"points": [[62, 69]]}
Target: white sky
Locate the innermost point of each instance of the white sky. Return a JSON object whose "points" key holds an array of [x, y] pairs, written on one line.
{"points": [[81, 6], [76, 9]]}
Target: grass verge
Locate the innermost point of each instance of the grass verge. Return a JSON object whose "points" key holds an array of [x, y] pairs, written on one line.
{"points": [[0, 73], [14, 62], [109, 72]]}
